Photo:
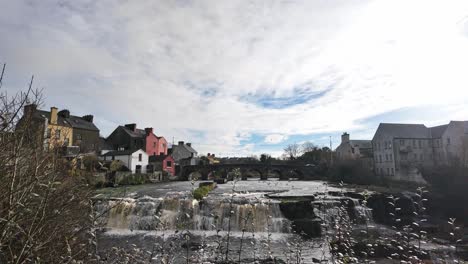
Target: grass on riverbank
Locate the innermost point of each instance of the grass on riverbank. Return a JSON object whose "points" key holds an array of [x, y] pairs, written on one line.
{"points": [[202, 191]]}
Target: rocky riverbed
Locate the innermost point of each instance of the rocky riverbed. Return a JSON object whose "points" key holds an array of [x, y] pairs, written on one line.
{"points": [[252, 221]]}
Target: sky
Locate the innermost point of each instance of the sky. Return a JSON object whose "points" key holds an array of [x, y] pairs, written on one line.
{"points": [[240, 78]]}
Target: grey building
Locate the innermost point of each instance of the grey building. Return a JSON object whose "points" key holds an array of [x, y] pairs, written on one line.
{"points": [[400, 150], [353, 149], [185, 152]]}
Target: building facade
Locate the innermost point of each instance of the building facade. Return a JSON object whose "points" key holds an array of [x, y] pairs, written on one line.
{"points": [[60, 129], [401, 150], [135, 160], [163, 163], [129, 137], [183, 151]]}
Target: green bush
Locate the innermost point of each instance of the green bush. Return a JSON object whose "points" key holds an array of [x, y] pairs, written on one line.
{"points": [[203, 191]]}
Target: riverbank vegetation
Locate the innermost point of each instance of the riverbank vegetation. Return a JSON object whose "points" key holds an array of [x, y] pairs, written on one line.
{"points": [[202, 191]]}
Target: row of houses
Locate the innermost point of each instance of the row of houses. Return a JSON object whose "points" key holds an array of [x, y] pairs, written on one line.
{"points": [[140, 150], [399, 151]]}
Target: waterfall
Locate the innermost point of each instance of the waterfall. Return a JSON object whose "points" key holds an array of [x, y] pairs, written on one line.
{"points": [[180, 212]]}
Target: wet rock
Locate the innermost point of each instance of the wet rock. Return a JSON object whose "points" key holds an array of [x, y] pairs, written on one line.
{"points": [[307, 228], [297, 209]]}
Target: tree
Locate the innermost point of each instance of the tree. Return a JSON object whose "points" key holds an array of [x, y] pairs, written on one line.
{"points": [[90, 162], [292, 151], [265, 158], [308, 147], [42, 208]]}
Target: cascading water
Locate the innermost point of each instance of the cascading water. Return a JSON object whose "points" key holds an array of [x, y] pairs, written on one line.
{"points": [[177, 211]]}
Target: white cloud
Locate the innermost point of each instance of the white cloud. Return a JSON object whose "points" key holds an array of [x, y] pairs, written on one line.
{"points": [[151, 62]]}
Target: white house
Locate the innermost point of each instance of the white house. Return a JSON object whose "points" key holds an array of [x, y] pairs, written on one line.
{"points": [[134, 160]]}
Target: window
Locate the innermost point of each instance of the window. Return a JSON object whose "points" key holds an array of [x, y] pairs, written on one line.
{"points": [[414, 143], [421, 157], [140, 157], [393, 172], [448, 141], [57, 133], [386, 157], [415, 156], [154, 144], [391, 157], [352, 150], [169, 163], [138, 168], [113, 157], [78, 136], [380, 158], [420, 143], [402, 142], [388, 171]]}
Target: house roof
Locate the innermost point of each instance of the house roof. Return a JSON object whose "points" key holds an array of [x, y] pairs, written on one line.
{"points": [[78, 122], [158, 158], [138, 133], [71, 121], [184, 146], [437, 131], [362, 144], [405, 130], [120, 152], [41, 114], [104, 145], [189, 148]]}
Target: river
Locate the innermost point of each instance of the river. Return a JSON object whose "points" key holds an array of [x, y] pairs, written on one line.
{"points": [[242, 221]]}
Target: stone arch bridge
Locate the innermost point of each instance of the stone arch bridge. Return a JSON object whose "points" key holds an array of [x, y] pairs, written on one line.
{"points": [[283, 172]]}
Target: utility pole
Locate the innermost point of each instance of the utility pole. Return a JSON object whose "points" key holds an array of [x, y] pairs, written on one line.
{"points": [[331, 152]]}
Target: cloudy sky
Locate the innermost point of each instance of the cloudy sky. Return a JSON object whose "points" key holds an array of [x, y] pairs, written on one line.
{"points": [[243, 77]]}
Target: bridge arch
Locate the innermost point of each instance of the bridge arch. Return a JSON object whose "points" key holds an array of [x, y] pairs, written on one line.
{"points": [[272, 173], [293, 174], [249, 172]]}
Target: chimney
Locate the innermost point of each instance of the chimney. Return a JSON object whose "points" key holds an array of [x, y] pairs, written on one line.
{"points": [[53, 115], [30, 109], [132, 127], [88, 118], [181, 143], [64, 113], [148, 130], [189, 144], [345, 138]]}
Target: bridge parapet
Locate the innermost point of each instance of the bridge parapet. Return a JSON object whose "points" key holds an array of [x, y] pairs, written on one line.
{"points": [[283, 171]]}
